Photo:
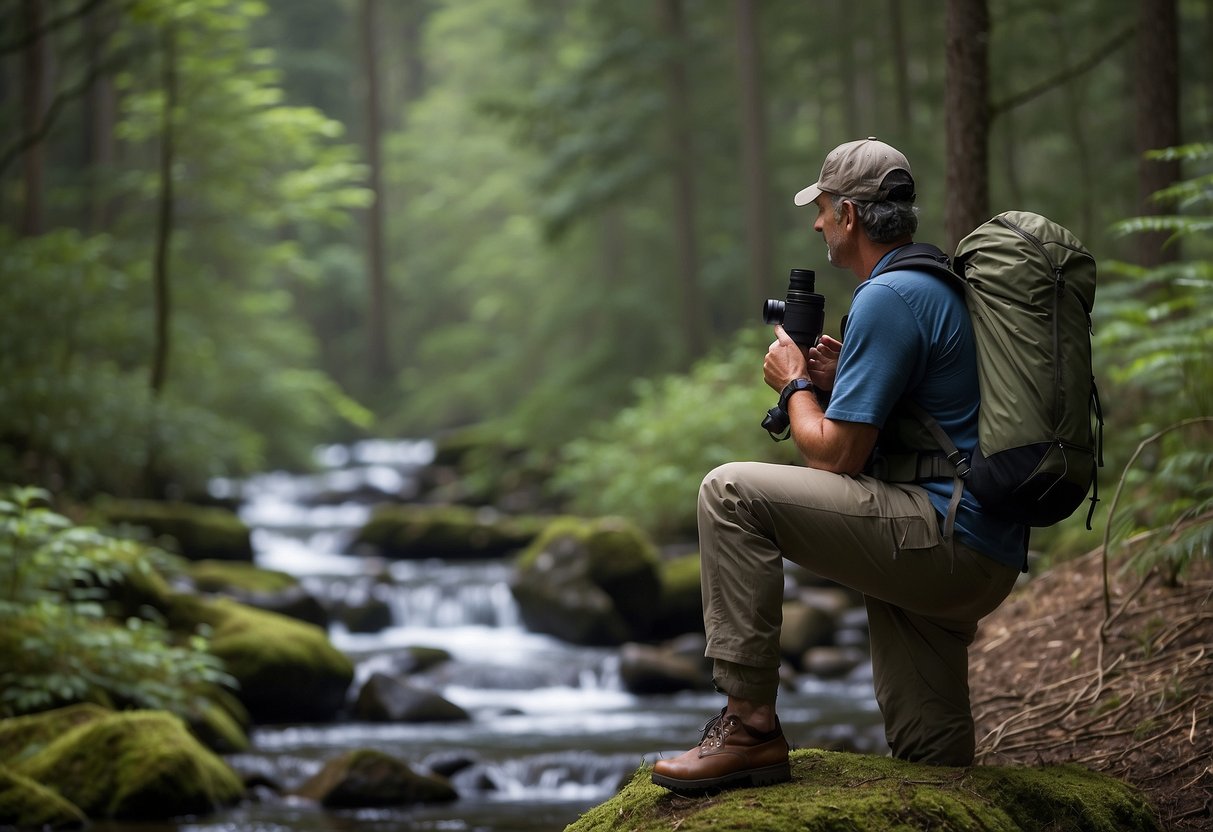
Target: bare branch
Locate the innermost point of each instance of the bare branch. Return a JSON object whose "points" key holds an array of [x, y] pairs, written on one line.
{"points": [[1093, 60], [19, 43]]}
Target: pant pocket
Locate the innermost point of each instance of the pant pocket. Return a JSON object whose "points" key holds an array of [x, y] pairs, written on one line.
{"points": [[910, 520]]}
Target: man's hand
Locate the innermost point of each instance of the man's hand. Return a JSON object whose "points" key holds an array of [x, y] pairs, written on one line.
{"points": [[785, 361], [823, 362]]}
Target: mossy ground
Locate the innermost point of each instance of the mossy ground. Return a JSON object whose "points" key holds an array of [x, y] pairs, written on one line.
{"points": [[839, 792]]}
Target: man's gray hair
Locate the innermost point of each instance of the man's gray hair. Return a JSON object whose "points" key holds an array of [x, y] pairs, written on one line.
{"points": [[883, 222]]}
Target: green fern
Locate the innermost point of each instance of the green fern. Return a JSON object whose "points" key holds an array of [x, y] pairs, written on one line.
{"points": [[1159, 331]]}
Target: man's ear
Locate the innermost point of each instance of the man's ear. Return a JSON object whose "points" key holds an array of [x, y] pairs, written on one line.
{"points": [[850, 215]]}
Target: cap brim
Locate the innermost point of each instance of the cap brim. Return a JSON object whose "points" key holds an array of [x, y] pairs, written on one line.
{"points": [[809, 195]]}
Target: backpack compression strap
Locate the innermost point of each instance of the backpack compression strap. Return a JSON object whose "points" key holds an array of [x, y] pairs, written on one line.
{"points": [[956, 459]]}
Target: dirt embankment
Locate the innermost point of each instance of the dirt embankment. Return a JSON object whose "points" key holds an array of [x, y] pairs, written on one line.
{"points": [[1057, 678]]}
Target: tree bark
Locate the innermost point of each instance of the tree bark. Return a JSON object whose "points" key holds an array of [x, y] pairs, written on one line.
{"points": [[754, 156], [901, 68], [1157, 109], [678, 119], [378, 363], [33, 111], [164, 215], [967, 118], [100, 115]]}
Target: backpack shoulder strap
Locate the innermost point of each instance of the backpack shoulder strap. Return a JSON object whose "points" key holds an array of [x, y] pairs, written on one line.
{"points": [[924, 257]]}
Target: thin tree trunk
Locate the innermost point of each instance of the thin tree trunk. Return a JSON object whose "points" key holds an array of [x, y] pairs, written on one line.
{"points": [[901, 69], [678, 118], [754, 156], [379, 365], [33, 110], [153, 482], [1157, 105], [967, 117], [100, 108], [164, 215]]}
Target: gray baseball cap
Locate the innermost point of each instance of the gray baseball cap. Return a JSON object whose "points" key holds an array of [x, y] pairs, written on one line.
{"points": [[859, 169]]}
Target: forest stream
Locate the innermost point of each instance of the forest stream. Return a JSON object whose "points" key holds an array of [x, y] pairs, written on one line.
{"points": [[553, 730]]}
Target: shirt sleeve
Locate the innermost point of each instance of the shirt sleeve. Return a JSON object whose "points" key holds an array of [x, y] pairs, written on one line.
{"points": [[881, 358]]}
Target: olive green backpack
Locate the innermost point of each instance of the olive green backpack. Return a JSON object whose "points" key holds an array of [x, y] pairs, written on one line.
{"points": [[1029, 285]]}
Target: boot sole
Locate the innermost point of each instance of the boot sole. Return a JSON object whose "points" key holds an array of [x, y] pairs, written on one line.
{"points": [[767, 776]]}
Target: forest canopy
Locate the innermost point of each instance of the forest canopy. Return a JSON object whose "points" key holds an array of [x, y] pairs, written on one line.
{"points": [[233, 229]]}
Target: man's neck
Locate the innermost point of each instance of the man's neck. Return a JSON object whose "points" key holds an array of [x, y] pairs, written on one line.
{"points": [[870, 254]]}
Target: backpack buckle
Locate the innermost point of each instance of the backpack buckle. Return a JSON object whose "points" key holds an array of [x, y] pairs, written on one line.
{"points": [[960, 464]]}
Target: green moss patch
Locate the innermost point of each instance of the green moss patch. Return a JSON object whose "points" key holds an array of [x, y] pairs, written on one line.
{"points": [[199, 532], [838, 792], [452, 532], [23, 736], [25, 804], [287, 670], [228, 576], [137, 764]]}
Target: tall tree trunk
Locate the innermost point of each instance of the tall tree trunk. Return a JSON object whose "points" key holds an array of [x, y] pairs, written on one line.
{"points": [[901, 70], [967, 118], [164, 214], [100, 114], [1157, 106], [378, 362], [754, 155], [33, 110], [678, 119], [154, 485], [848, 70]]}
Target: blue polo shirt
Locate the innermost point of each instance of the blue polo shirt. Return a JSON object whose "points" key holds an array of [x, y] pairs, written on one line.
{"points": [[908, 334]]}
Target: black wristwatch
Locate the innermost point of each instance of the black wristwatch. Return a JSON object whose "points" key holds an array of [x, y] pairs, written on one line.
{"points": [[792, 387]]}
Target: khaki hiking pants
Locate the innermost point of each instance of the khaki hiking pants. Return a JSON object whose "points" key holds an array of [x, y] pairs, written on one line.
{"points": [[924, 597]]}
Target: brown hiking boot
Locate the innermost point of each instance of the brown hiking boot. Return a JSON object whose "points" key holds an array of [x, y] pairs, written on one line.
{"points": [[730, 754]]}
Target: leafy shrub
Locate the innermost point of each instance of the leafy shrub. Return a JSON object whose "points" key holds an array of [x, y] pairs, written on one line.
{"points": [[647, 463], [57, 645]]}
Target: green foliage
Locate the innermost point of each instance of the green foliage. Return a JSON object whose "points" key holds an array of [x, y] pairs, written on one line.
{"points": [[1159, 329], [57, 643], [252, 176], [647, 462]]}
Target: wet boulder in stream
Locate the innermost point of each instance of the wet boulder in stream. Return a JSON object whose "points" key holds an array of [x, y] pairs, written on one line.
{"points": [[288, 670], [593, 582], [417, 532], [386, 699], [366, 777], [196, 532]]}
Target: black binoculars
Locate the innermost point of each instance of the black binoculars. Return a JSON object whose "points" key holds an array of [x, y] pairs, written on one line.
{"points": [[802, 315]]}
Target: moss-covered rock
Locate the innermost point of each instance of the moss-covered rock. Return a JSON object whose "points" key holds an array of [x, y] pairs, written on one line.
{"points": [[197, 532], [235, 576], [25, 804], [288, 670], [265, 589], [218, 730], [839, 792], [137, 764], [449, 532], [366, 777], [680, 605], [23, 736], [589, 582]]}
